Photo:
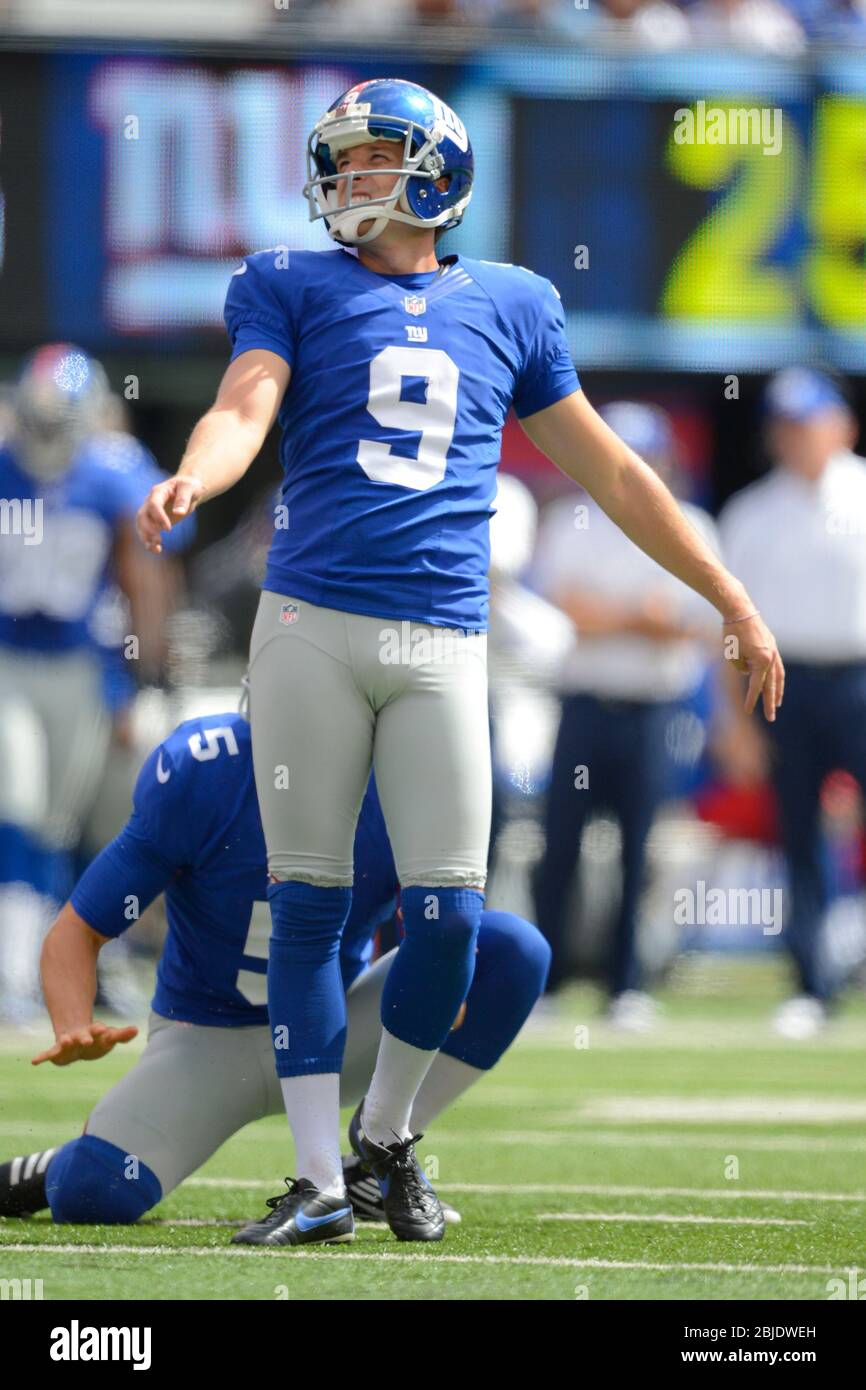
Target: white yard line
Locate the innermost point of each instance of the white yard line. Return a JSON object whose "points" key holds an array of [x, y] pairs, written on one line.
{"points": [[395, 1257], [795, 1143], [194, 1221], [664, 1218], [557, 1035], [669, 1219], [20, 1132], [582, 1189], [759, 1110], [740, 1035], [585, 1136]]}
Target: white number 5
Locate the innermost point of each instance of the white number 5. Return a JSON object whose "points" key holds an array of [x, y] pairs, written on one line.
{"points": [[204, 754], [433, 417]]}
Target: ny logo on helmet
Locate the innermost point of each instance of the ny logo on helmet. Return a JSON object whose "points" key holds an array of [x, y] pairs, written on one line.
{"points": [[414, 304], [451, 122]]}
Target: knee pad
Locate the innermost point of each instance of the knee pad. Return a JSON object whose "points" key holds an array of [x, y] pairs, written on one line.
{"points": [[510, 973], [433, 969], [515, 948], [446, 919], [92, 1182]]}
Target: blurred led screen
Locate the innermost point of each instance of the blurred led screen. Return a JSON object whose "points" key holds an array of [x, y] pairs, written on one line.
{"points": [[695, 212]]}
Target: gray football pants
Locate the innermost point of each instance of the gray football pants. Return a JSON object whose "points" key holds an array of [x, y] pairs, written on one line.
{"points": [[194, 1087], [54, 735], [334, 693]]}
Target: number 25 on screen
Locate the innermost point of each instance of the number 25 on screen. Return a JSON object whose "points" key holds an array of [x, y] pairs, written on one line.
{"points": [[721, 272]]}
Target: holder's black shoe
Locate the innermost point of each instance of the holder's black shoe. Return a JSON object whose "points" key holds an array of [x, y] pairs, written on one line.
{"points": [[22, 1183]]}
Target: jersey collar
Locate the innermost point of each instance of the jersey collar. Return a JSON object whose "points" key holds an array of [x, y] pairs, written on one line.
{"points": [[451, 276]]}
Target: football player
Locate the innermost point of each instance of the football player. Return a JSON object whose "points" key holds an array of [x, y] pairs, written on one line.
{"points": [[70, 492], [392, 373], [208, 1069]]}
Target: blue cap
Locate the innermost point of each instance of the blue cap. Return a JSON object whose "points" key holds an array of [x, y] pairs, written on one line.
{"points": [[799, 393], [644, 428]]}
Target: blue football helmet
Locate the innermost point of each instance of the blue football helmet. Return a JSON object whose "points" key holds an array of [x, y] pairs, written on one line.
{"points": [[60, 399], [435, 145]]}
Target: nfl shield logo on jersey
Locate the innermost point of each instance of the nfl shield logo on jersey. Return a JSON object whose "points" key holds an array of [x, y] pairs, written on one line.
{"points": [[288, 613], [415, 304]]}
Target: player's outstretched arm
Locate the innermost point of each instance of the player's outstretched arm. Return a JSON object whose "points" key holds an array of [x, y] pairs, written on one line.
{"points": [[578, 441], [68, 967], [223, 444]]}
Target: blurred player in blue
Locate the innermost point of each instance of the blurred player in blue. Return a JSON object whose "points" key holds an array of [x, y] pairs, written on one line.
{"points": [[70, 490], [111, 618], [392, 374], [207, 1070]]}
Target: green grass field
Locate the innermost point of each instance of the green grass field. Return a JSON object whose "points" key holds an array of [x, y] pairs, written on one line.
{"points": [[710, 1161]]}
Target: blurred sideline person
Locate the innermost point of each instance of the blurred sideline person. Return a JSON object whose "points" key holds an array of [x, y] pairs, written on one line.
{"points": [[70, 492], [649, 24], [208, 1069], [637, 654], [528, 638], [111, 618], [797, 538], [764, 26]]}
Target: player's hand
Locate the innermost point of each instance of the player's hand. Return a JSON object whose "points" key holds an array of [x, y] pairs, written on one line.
{"points": [[751, 646], [85, 1044], [165, 504]]}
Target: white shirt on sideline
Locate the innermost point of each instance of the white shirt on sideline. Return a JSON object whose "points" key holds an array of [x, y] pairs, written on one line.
{"points": [[584, 550], [800, 549]]}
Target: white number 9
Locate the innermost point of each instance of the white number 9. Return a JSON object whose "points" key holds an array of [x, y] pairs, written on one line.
{"points": [[432, 418]]}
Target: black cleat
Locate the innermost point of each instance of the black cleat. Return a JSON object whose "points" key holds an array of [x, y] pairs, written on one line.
{"points": [[22, 1183], [301, 1216], [362, 1190], [410, 1206]]}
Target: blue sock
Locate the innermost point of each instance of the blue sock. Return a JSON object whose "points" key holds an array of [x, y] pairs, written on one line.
{"points": [[95, 1183], [433, 968], [306, 1001], [510, 975]]}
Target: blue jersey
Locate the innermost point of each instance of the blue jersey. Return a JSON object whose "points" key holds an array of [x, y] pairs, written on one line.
{"points": [[392, 421], [196, 835], [109, 617], [55, 562]]}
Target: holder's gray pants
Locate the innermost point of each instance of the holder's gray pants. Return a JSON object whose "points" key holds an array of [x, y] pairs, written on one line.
{"points": [[194, 1087]]}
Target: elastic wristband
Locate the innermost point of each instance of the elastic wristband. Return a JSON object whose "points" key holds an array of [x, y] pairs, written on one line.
{"points": [[745, 617]]}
